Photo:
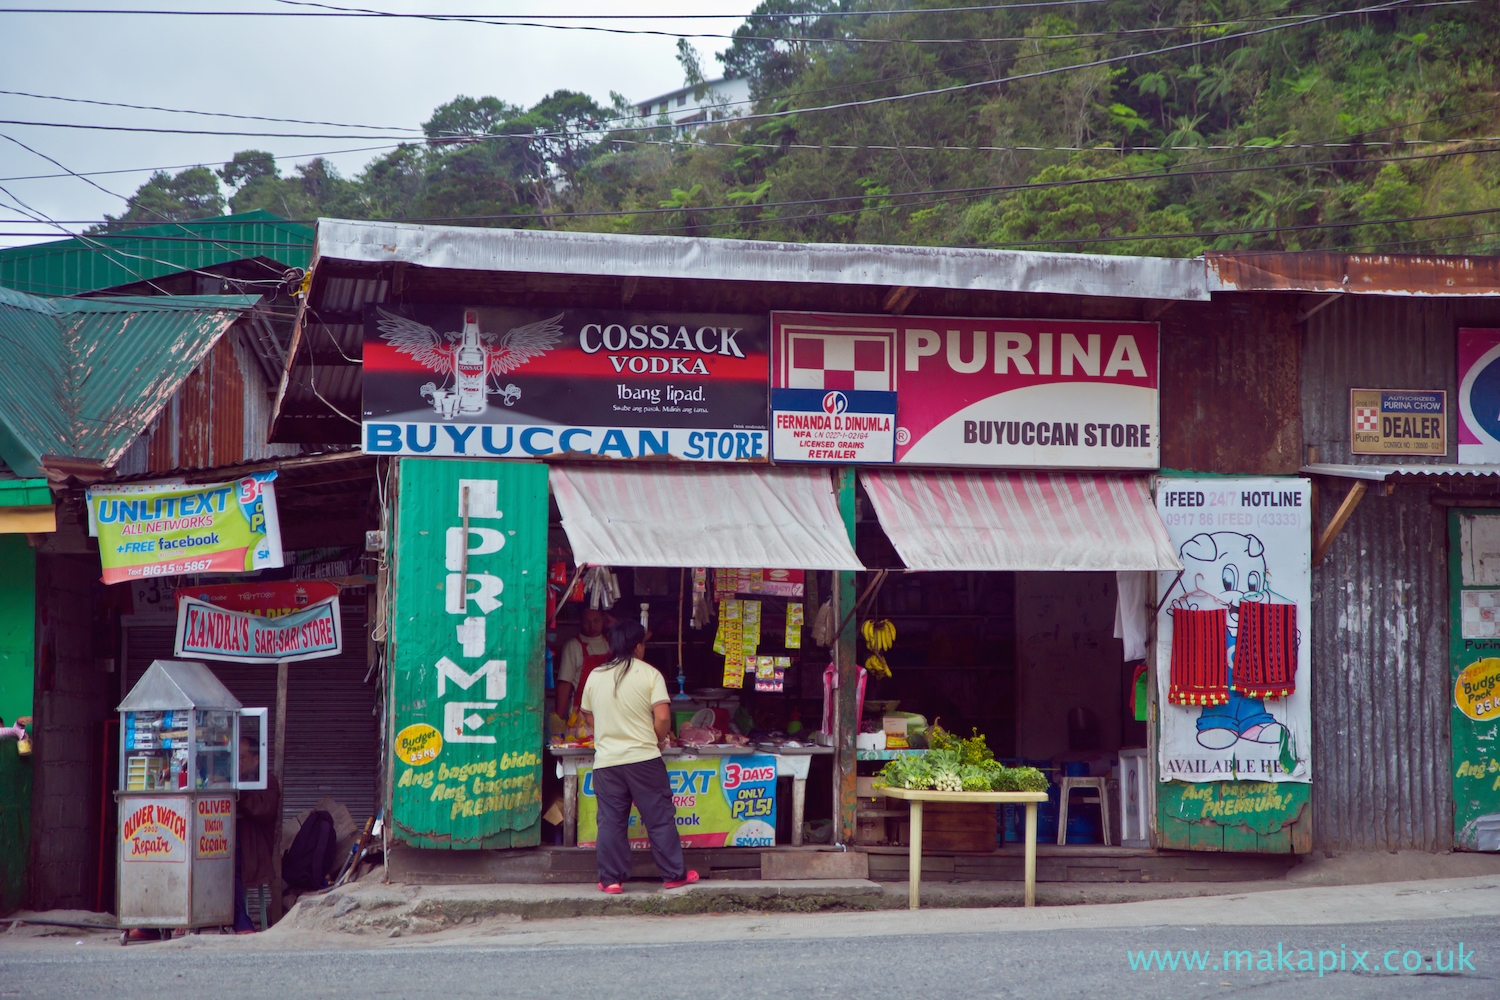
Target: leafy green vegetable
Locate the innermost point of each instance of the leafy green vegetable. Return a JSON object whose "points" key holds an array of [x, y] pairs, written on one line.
{"points": [[956, 764]]}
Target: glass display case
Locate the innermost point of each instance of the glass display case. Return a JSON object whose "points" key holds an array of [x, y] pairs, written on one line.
{"points": [[181, 736]]}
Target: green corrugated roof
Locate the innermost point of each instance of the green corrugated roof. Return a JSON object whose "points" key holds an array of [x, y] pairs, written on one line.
{"points": [[77, 267], [83, 378]]}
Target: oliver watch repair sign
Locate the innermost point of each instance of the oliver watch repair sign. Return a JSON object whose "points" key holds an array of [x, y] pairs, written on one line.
{"points": [[466, 653]]}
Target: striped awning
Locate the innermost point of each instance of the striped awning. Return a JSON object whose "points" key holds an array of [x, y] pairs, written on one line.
{"points": [[723, 515], [1020, 520]]}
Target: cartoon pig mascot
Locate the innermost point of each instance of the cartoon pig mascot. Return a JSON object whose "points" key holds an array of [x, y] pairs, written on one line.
{"points": [[1228, 565]]}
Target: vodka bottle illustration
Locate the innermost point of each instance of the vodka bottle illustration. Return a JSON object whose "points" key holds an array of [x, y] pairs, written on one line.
{"points": [[469, 369]]}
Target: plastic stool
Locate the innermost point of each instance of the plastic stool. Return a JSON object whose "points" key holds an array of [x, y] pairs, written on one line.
{"points": [[1101, 796]]}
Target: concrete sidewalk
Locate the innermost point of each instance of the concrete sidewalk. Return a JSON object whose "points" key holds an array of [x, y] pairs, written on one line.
{"points": [[374, 907]]}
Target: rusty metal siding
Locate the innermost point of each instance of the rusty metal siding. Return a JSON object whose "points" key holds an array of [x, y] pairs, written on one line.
{"points": [[1354, 273], [1380, 679], [1229, 386], [1380, 599]]}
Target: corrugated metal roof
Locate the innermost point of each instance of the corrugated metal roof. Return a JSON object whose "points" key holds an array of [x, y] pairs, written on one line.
{"points": [[536, 251], [82, 378], [76, 267], [1353, 273], [1379, 473]]}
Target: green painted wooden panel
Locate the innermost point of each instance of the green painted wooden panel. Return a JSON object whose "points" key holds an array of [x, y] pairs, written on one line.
{"points": [[466, 664], [17, 627], [1475, 742], [15, 826], [1253, 817]]}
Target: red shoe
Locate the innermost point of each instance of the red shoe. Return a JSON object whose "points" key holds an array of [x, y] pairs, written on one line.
{"points": [[687, 879], [613, 889]]}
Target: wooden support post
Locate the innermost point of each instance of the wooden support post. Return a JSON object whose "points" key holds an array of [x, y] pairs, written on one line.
{"points": [[914, 862], [845, 794], [278, 767], [799, 803], [570, 810], [1030, 853], [1340, 518]]}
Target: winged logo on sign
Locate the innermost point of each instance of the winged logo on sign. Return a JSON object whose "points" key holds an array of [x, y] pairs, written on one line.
{"points": [[471, 361]]}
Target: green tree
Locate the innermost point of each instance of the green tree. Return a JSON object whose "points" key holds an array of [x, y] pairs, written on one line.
{"points": [[191, 194]]}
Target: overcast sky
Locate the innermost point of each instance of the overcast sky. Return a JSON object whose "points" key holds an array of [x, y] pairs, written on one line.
{"points": [[382, 72]]}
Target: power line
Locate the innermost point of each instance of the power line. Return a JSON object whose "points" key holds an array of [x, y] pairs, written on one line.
{"points": [[868, 102], [214, 114], [898, 200], [540, 21], [186, 166], [556, 17], [168, 220], [866, 146]]}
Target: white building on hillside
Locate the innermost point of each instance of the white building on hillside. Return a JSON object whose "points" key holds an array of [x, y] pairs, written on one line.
{"points": [[722, 98]]}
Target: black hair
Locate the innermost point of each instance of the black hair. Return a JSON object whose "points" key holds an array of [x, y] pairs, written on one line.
{"points": [[624, 636]]}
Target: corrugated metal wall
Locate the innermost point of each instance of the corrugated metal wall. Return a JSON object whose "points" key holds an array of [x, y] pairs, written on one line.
{"points": [[219, 416], [1380, 599]]}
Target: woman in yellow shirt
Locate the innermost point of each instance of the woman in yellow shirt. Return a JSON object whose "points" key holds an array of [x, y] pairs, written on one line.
{"points": [[625, 701]]}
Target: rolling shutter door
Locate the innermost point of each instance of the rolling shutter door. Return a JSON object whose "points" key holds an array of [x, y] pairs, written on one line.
{"points": [[332, 730]]}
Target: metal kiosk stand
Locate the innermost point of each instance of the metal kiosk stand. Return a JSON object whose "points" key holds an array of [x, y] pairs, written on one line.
{"points": [[179, 771]]}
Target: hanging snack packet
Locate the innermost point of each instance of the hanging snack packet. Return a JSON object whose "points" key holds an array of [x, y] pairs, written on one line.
{"points": [[751, 612], [794, 626], [734, 671]]}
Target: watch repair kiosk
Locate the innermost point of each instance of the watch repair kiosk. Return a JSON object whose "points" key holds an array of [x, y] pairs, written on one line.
{"points": [[180, 732]]}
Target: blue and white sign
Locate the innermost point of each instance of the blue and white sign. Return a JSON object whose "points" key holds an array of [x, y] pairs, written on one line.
{"points": [[833, 425], [1478, 397]]}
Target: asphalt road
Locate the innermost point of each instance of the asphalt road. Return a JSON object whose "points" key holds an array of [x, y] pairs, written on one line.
{"points": [[1034, 965]]}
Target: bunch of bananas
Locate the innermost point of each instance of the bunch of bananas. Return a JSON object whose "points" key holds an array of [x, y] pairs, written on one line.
{"points": [[879, 637]]}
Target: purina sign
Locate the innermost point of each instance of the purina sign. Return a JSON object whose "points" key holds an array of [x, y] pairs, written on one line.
{"points": [[965, 392]]}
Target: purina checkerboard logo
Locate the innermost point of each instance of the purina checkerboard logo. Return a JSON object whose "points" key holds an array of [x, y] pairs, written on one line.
{"points": [[961, 391], [1366, 418], [820, 359]]}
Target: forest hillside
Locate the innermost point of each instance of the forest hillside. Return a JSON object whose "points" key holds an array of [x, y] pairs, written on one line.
{"points": [[1161, 127]]}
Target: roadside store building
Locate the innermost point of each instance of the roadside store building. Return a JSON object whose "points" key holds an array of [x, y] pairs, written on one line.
{"points": [[501, 449], [1011, 621], [140, 371]]}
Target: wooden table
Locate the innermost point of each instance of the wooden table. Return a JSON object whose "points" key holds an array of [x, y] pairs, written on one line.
{"points": [[916, 798]]}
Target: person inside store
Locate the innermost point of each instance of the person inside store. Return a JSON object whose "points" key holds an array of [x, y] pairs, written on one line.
{"points": [[254, 832], [625, 702], [580, 656]]}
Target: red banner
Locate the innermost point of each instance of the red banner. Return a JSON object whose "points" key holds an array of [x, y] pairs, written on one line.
{"points": [[271, 599]]}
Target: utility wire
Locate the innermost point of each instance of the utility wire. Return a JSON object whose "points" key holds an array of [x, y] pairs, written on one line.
{"points": [[541, 21], [553, 17], [213, 114], [868, 102], [175, 266], [861, 146], [185, 166], [898, 199]]}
